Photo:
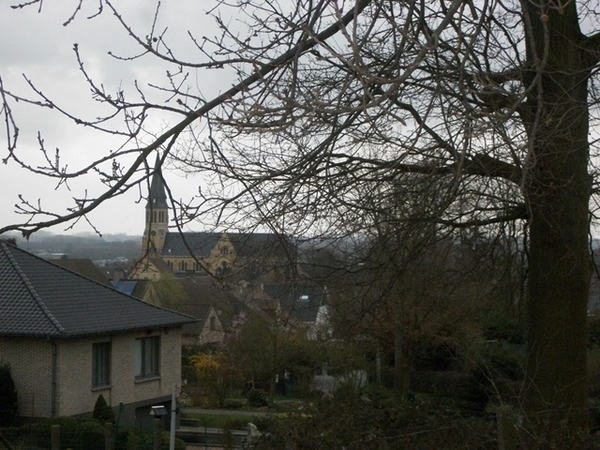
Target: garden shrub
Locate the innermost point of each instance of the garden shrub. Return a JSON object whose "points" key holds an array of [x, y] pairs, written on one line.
{"points": [[234, 403], [356, 424], [103, 412], [257, 398], [380, 395], [144, 440], [8, 397], [594, 404], [505, 329], [498, 375], [438, 353], [346, 393], [85, 434], [75, 434]]}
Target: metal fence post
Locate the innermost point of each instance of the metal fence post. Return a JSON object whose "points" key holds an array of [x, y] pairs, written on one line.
{"points": [[55, 437], [109, 437]]}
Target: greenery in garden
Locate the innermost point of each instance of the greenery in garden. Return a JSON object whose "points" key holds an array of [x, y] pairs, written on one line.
{"points": [[83, 434], [8, 396], [102, 412]]}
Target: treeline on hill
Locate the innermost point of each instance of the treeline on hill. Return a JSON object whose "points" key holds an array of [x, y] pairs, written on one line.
{"points": [[88, 246]]}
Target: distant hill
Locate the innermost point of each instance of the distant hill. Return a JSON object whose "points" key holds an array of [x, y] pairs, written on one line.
{"points": [[88, 245]]}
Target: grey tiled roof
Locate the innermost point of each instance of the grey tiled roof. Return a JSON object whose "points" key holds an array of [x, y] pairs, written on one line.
{"points": [[256, 245], [265, 244], [84, 267], [38, 298], [203, 292], [301, 301], [201, 244]]}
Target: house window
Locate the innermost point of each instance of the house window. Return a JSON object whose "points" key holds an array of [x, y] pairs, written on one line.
{"points": [[147, 352], [101, 364]]}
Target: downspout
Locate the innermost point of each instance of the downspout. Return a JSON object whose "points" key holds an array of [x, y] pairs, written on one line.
{"points": [[54, 380]]}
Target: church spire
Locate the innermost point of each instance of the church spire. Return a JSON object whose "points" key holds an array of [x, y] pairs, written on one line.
{"points": [[157, 197], [157, 214]]}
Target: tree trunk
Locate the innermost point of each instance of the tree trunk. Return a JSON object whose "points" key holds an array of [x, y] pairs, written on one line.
{"points": [[557, 189]]}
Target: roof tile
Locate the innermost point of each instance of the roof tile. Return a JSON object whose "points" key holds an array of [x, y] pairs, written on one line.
{"points": [[39, 298]]}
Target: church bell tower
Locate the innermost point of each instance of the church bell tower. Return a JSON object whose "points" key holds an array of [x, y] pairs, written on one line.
{"points": [[157, 215]]}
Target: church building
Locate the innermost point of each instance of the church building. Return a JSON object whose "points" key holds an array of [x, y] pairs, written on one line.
{"points": [[238, 256], [224, 272]]}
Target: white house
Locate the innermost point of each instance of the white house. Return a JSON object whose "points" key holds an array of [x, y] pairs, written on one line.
{"points": [[69, 339]]}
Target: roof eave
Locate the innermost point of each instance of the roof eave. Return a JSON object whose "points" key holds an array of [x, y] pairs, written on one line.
{"points": [[66, 335]]}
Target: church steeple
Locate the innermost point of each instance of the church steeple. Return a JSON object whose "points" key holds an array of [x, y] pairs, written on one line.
{"points": [[157, 214]]}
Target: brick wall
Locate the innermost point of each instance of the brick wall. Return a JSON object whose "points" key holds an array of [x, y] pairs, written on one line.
{"points": [[31, 362], [31, 368]]}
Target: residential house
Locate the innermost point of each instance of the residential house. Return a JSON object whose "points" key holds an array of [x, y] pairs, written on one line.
{"points": [[303, 305], [193, 298], [85, 267], [69, 339]]}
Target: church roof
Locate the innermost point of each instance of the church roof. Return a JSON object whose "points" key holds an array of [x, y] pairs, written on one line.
{"points": [[265, 244], [39, 298], [201, 244], [255, 245]]}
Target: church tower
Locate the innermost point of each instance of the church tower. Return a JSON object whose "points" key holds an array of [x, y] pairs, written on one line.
{"points": [[157, 215]]}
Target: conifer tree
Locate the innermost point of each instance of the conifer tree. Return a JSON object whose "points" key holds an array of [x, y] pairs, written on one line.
{"points": [[8, 396]]}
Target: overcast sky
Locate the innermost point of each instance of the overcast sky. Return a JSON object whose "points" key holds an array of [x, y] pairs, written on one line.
{"points": [[37, 45]]}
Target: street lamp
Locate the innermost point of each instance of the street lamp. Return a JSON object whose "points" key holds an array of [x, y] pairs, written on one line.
{"points": [[158, 412]]}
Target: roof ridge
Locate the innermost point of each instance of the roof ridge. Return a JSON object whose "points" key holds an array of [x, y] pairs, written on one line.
{"points": [[30, 287]]}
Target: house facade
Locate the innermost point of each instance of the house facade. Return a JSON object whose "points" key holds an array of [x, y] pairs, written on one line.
{"points": [[188, 297], [69, 339], [304, 306], [64, 377]]}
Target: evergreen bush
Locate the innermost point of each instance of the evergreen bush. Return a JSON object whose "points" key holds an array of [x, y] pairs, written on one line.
{"points": [[8, 397], [498, 375], [102, 411], [257, 398]]}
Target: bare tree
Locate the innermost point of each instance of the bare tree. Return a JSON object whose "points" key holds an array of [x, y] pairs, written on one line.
{"points": [[339, 99]]}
